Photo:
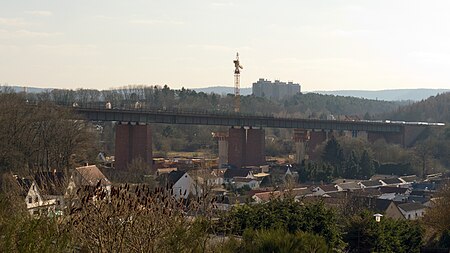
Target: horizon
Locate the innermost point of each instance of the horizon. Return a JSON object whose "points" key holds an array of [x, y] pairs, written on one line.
{"points": [[222, 87], [335, 46]]}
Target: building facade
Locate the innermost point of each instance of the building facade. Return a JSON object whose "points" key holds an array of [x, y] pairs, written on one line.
{"points": [[275, 90]]}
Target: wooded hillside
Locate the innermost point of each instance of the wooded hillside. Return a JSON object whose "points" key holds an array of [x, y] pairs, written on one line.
{"points": [[433, 109]]}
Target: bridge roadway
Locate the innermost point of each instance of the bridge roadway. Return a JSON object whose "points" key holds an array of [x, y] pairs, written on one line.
{"points": [[174, 116]]}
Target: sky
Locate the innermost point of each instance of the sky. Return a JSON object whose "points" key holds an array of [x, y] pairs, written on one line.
{"points": [[321, 44]]}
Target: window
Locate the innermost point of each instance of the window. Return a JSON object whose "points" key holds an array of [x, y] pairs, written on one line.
{"points": [[36, 199], [30, 200], [58, 202]]}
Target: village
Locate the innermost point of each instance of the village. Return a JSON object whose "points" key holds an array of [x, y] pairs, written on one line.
{"points": [[398, 197]]}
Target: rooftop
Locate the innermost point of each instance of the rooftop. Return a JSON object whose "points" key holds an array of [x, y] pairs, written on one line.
{"points": [[91, 175], [408, 207]]}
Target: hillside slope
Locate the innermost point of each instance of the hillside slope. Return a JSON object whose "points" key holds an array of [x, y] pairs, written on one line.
{"points": [[389, 95], [433, 109]]}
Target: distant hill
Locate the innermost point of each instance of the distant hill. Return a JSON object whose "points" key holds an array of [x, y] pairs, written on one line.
{"points": [[388, 95], [433, 109], [223, 90], [28, 89]]}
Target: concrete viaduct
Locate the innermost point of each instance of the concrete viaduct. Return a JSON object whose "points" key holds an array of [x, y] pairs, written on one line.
{"points": [[243, 145]]}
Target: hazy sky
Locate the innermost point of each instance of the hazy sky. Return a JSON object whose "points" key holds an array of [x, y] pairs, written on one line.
{"points": [[322, 44]]}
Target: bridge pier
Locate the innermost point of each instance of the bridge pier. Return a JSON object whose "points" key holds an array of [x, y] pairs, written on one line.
{"points": [[315, 139], [246, 147], [132, 141], [301, 138], [236, 146], [222, 139], [393, 138], [254, 153]]}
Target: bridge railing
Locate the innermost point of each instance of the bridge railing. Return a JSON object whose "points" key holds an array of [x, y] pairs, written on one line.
{"points": [[154, 109]]}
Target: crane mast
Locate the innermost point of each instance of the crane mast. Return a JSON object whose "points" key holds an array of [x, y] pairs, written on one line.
{"points": [[237, 77]]}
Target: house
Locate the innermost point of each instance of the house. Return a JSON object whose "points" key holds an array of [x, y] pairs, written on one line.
{"points": [[395, 190], [391, 181], [262, 197], [240, 182], [323, 189], [382, 176], [297, 193], [387, 207], [412, 211], [181, 184], [410, 179], [231, 173], [45, 196], [161, 171], [393, 193], [370, 184], [348, 186], [224, 203], [88, 176], [206, 177], [282, 174]]}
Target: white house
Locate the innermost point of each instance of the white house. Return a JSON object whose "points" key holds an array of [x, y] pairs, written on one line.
{"points": [[182, 184], [45, 195], [412, 211], [324, 189], [240, 182]]}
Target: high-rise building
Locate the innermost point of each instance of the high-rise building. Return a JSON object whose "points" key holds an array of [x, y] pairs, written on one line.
{"points": [[275, 90]]}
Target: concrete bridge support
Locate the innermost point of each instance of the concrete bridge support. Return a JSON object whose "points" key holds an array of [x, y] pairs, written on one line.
{"points": [[236, 146], [246, 147], [222, 139], [316, 137], [254, 148], [301, 138], [132, 141], [393, 138]]}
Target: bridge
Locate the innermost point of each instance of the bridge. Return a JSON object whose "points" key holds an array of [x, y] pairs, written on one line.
{"points": [[243, 144], [174, 116]]}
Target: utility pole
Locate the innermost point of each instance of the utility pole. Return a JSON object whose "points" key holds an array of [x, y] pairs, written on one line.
{"points": [[237, 77]]}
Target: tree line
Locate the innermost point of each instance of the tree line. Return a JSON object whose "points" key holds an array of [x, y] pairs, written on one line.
{"points": [[42, 138]]}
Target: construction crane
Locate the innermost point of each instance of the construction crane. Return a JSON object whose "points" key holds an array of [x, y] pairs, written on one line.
{"points": [[237, 76]]}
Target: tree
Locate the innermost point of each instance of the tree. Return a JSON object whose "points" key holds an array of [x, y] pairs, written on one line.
{"points": [[334, 155], [367, 166], [136, 220], [437, 218], [42, 137], [288, 215], [364, 234], [279, 241], [352, 168]]}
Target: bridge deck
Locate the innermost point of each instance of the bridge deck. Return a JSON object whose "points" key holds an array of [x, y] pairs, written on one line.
{"points": [[197, 118]]}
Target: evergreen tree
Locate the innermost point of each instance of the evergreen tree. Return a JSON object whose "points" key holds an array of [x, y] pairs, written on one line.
{"points": [[352, 168], [367, 165], [334, 155]]}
